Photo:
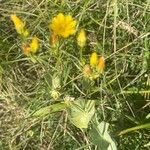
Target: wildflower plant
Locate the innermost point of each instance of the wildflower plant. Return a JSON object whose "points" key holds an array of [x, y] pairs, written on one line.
{"points": [[80, 111], [72, 73]]}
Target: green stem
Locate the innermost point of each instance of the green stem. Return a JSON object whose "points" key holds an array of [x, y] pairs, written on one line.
{"points": [[81, 55]]}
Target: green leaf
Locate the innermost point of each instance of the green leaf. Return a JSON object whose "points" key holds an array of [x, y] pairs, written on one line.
{"points": [[142, 126], [100, 136], [81, 112], [50, 109]]}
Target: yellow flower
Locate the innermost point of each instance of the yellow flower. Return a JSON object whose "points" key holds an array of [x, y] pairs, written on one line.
{"points": [[63, 25], [101, 64], [34, 45], [93, 59], [19, 24], [81, 38]]}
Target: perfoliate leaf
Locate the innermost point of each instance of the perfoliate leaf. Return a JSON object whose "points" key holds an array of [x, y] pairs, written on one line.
{"points": [[81, 112], [101, 137]]}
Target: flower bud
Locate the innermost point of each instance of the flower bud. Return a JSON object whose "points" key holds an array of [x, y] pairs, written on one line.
{"points": [[93, 59], [34, 45], [81, 38], [101, 64], [19, 24]]}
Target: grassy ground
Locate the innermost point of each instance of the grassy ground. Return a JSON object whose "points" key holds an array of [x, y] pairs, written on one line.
{"points": [[118, 29]]}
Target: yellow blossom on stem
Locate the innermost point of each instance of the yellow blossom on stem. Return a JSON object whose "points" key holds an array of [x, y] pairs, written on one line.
{"points": [[81, 38], [94, 59], [63, 25], [101, 64], [34, 45], [19, 24]]}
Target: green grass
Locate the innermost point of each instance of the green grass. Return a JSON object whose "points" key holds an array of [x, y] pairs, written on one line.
{"points": [[118, 29]]}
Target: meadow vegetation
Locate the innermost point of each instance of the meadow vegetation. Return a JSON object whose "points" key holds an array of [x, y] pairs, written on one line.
{"points": [[74, 74]]}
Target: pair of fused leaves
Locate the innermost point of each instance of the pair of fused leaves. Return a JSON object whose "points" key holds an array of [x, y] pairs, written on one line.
{"points": [[81, 112], [100, 136]]}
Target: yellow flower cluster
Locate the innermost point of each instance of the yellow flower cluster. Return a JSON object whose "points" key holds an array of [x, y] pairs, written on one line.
{"points": [[32, 47], [62, 26], [96, 66], [20, 28], [99, 63]]}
